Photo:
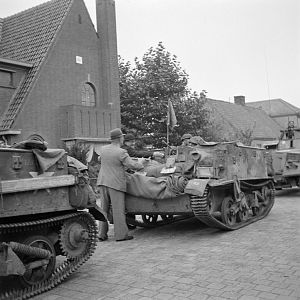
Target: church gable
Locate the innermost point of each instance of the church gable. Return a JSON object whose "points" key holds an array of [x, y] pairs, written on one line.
{"points": [[28, 36], [68, 92]]}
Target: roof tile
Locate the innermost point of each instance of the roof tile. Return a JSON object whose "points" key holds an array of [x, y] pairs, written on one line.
{"points": [[1, 25], [27, 36], [275, 107], [244, 118]]}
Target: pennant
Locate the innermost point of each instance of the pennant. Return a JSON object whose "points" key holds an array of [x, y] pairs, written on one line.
{"points": [[171, 117]]}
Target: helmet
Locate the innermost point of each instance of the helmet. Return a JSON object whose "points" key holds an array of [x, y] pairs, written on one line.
{"points": [[186, 136]]}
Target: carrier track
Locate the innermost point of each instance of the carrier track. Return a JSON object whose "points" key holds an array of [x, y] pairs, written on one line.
{"points": [[201, 209], [67, 267]]}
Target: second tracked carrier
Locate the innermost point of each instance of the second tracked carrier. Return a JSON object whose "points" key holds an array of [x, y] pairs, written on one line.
{"points": [[225, 186]]}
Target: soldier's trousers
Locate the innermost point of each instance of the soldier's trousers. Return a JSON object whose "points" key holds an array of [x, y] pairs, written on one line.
{"points": [[115, 198]]}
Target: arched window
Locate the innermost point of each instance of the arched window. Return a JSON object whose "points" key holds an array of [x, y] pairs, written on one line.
{"points": [[88, 95]]}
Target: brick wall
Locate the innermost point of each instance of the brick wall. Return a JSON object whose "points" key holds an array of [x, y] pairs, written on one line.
{"points": [[60, 81]]}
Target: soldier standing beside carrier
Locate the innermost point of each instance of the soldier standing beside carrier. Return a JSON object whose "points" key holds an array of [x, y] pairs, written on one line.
{"points": [[112, 183]]}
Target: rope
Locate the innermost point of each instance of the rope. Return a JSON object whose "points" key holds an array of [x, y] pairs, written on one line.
{"points": [[177, 184]]}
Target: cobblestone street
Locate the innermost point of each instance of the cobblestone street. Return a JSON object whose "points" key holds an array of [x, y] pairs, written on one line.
{"points": [[188, 260]]}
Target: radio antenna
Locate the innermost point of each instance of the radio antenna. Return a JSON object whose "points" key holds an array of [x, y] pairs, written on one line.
{"points": [[267, 78]]}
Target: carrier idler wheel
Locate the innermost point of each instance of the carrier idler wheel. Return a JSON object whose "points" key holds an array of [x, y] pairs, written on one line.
{"points": [[150, 219], [38, 269], [228, 211], [74, 237]]}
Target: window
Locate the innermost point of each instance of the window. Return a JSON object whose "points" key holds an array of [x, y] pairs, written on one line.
{"points": [[6, 77], [88, 95]]}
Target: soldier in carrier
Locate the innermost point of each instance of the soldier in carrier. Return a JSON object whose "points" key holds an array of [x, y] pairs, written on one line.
{"points": [[185, 139]]}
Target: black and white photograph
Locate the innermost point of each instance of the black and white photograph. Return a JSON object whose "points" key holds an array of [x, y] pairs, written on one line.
{"points": [[150, 149]]}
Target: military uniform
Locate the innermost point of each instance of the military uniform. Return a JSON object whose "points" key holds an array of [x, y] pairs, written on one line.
{"points": [[185, 139]]}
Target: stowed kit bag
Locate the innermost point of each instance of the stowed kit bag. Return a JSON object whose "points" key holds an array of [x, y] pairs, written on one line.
{"points": [[82, 194], [155, 188]]}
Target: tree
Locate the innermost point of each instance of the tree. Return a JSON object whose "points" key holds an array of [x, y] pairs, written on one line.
{"points": [[241, 135], [145, 90], [245, 136]]}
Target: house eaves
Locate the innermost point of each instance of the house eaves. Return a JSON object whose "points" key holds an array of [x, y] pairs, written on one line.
{"points": [[16, 63]]}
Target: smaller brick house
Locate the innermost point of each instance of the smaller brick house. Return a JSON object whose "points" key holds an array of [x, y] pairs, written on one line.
{"points": [[59, 79], [279, 110], [229, 119]]}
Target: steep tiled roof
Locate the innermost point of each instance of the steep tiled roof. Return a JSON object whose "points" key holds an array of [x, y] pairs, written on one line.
{"points": [[275, 107], [1, 25], [27, 36], [244, 118]]}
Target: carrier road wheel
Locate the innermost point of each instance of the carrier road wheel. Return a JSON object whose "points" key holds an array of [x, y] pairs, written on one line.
{"points": [[40, 273], [74, 237], [228, 211], [150, 219], [243, 215]]}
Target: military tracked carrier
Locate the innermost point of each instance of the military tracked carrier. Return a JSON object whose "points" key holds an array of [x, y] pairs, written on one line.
{"points": [[45, 212], [284, 158], [226, 186]]}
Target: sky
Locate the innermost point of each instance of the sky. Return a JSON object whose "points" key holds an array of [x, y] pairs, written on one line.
{"points": [[227, 47]]}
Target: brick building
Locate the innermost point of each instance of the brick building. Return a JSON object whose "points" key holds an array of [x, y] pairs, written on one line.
{"points": [[279, 110], [59, 76]]}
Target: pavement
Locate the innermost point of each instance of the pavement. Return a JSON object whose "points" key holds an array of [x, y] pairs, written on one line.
{"points": [[188, 260]]}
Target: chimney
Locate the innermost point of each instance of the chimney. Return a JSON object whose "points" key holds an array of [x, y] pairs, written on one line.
{"points": [[240, 100], [108, 54]]}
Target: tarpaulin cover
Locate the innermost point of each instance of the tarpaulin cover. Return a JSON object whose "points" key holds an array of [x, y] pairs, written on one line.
{"points": [[48, 158], [75, 163], [155, 188], [154, 169]]}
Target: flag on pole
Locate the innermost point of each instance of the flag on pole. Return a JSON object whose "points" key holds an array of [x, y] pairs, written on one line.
{"points": [[171, 118]]}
